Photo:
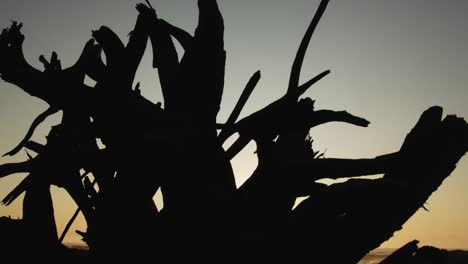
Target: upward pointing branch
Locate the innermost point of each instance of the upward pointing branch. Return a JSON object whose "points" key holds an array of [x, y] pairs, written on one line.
{"points": [[227, 129], [297, 65]]}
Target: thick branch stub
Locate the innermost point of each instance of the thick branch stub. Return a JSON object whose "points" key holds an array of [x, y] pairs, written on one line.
{"points": [[324, 116]]}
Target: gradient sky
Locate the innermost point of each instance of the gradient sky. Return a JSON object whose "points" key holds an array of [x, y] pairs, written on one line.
{"points": [[390, 60]]}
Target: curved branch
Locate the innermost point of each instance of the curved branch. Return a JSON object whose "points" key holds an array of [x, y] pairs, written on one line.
{"points": [[297, 65], [111, 44], [90, 63], [50, 111], [324, 116], [16, 70]]}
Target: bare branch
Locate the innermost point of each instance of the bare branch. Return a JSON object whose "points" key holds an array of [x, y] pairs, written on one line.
{"points": [[303, 88], [11, 168], [50, 111], [344, 168], [324, 116], [240, 105], [297, 65], [17, 191]]}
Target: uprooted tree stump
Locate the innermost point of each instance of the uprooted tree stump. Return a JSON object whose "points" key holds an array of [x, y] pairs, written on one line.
{"points": [[178, 148]]}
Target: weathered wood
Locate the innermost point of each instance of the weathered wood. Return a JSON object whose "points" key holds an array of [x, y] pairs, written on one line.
{"points": [[177, 149], [373, 209]]}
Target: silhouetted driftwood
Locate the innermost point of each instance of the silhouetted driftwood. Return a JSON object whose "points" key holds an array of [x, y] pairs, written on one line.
{"points": [[411, 253], [177, 148]]}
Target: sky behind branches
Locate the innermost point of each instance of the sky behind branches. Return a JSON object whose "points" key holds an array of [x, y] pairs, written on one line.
{"points": [[390, 60]]}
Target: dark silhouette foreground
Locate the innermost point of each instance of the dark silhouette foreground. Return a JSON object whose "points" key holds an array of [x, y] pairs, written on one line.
{"points": [[178, 149]]}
